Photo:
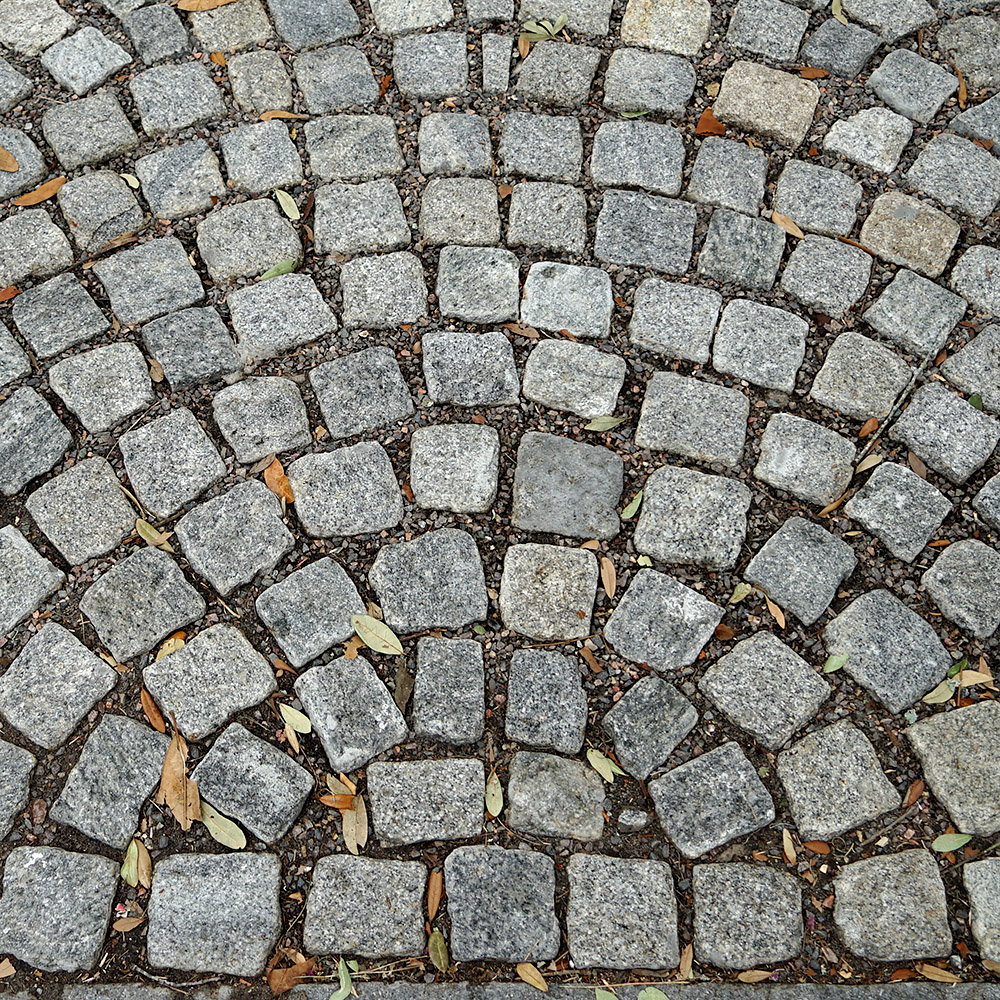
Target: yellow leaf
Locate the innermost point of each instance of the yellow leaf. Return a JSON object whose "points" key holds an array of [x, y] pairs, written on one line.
{"points": [[988, 963], [218, 58], [941, 693], [224, 830], [867, 463], [593, 545], [350, 828], [131, 180], [603, 765], [337, 786], [376, 635], [151, 536], [776, 612], [145, 864], [754, 976], [130, 866], [268, 115], [348, 784], [175, 642], [530, 974], [609, 578], [202, 4], [494, 794], [713, 88], [288, 206], [838, 11], [970, 678], [296, 719], [783, 222]]}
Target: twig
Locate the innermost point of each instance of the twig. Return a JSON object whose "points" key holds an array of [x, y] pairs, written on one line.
{"points": [[892, 826], [176, 987], [982, 853]]}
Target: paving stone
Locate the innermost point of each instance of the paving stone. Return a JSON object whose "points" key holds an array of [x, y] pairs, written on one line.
{"points": [[32, 439], [981, 121], [157, 32], [246, 239], [497, 51], [767, 28], [767, 102], [976, 277], [957, 751], [118, 769], [915, 313], [99, 207], [310, 610], [394, 17], [361, 392], [689, 518], [32, 246], [434, 581], [892, 908], [192, 346], [56, 907], [319, 23], [13, 361], [694, 419], [742, 249], [891, 651], [745, 915], [827, 275], [800, 567], [987, 502], [711, 800], [963, 581], [841, 49], [638, 154], [912, 85], [576, 378], [91, 130], [648, 724], [674, 319], [632, 820], [231, 27], [353, 147], [558, 73], [453, 143], [547, 217], [260, 82], [14, 86], [170, 461], [502, 904], [644, 230], [349, 491], [679, 26], [30, 168], [255, 783], [454, 467], [431, 66], [262, 416], [982, 883], [660, 622], [765, 688], [761, 344], [588, 17], [448, 692], [546, 703], [51, 685], [973, 43], [478, 284], [957, 173], [566, 296], [554, 797], [834, 782], [902, 509], [819, 199], [27, 577], [84, 60], [805, 459], [183, 180], [57, 314], [82, 511], [622, 913], [352, 712], [459, 210], [260, 157], [729, 174], [541, 147], [873, 138], [103, 386], [149, 280], [214, 912], [275, 316], [29, 26], [648, 81], [335, 79], [17, 765], [542, 589], [974, 369], [469, 369], [173, 97], [892, 19], [383, 292]]}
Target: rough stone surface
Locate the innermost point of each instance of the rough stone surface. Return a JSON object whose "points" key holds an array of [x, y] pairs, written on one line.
{"points": [[13, 361], [639, 81], [353, 147], [17, 765], [957, 173], [874, 138], [32, 439], [679, 26], [741, 249], [728, 174], [974, 368], [568, 297], [460, 210], [454, 467], [99, 207], [547, 216], [576, 378], [157, 32], [246, 239], [84, 60], [765, 101], [841, 49], [27, 577], [767, 28], [261, 416], [383, 292], [470, 369], [976, 277], [260, 82], [903, 230], [558, 73], [546, 703], [760, 344], [192, 346], [674, 319], [827, 275], [638, 154], [173, 97], [963, 583], [30, 26], [541, 147], [645, 230], [178, 181], [455, 144], [91, 130], [912, 85], [448, 692], [982, 883], [336, 79], [360, 218], [32, 246], [430, 66], [554, 797], [838, 387], [478, 284], [319, 23], [260, 157], [30, 168]]}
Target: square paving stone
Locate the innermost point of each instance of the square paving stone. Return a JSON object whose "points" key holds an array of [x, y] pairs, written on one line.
{"points": [[899, 507], [588, 17], [84, 60], [91, 130], [156, 32], [819, 199], [260, 82], [963, 583], [212, 677], [547, 592], [949, 434], [383, 292], [260, 157], [891, 651], [668, 25], [982, 883], [310, 610], [974, 369], [579, 379], [973, 43], [892, 19], [478, 284], [32, 246], [434, 581], [694, 419], [118, 769], [454, 467], [51, 685], [448, 692], [644, 230], [805, 459], [761, 344], [29, 26], [246, 239], [192, 346], [170, 461], [767, 102], [827, 275], [546, 703], [551, 796], [262, 416], [648, 724], [660, 622], [172, 97], [711, 800], [431, 66], [351, 710], [149, 280], [767, 28], [976, 277], [460, 210], [14, 86], [800, 567], [231, 27], [258, 785], [56, 907], [57, 314], [893, 908], [558, 73], [912, 85], [841, 49], [982, 121], [32, 439], [30, 168], [232, 538], [957, 173], [139, 601], [336, 79], [27, 578], [214, 912], [497, 51], [638, 154], [873, 138], [957, 751], [361, 906], [765, 688], [17, 765], [469, 369], [648, 81], [318, 23], [741, 249], [13, 361], [674, 319], [180, 180], [453, 812], [547, 217], [395, 17], [729, 174], [353, 147], [349, 491], [453, 143], [987, 502], [915, 313], [834, 782], [541, 147], [98, 207], [568, 297]]}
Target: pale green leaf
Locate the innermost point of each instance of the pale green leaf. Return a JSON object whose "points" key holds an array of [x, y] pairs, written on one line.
{"points": [[834, 663], [838, 11], [224, 830], [437, 951], [494, 794], [133, 182], [600, 994], [603, 423], [740, 592], [950, 841], [152, 536], [633, 506], [376, 635], [344, 990], [282, 267], [652, 993], [561, 21], [644, 561], [603, 765], [941, 693], [296, 719], [632, 114], [910, 716], [353, 964], [130, 866], [288, 206], [479, 630]]}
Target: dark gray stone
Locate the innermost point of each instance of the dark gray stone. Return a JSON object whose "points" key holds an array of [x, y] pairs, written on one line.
{"points": [[741, 249], [156, 32], [14, 86], [761, 344], [30, 169], [644, 230], [192, 346], [497, 51], [17, 765], [987, 502], [554, 797], [827, 275], [564, 375], [318, 23], [454, 467], [558, 73], [183, 180], [13, 361], [981, 121], [973, 43], [99, 207], [91, 130], [638, 154], [478, 284], [638, 81], [262, 416], [448, 693], [548, 217], [817, 198], [32, 439], [336, 79], [27, 578], [546, 703], [383, 292], [964, 582], [767, 28], [674, 319], [728, 174], [541, 147], [246, 239], [353, 147], [841, 49], [172, 97], [453, 143], [470, 369], [31, 246], [860, 378]]}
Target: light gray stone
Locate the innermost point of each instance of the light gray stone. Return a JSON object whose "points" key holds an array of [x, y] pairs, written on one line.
{"points": [[679, 26], [915, 313], [14, 86], [638, 154], [577, 378], [99, 208], [32, 439], [30, 169], [674, 319], [892, 19], [448, 692], [394, 17], [318, 23], [353, 147], [912, 85], [645, 230], [172, 97], [431, 66], [827, 275], [547, 216], [17, 765], [554, 797], [632, 820], [873, 138], [454, 467], [192, 346], [497, 50], [453, 143], [541, 147], [568, 297], [469, 369], [841, 49], [27, 578], [91, 130], [31, 246], [973, 43], [974, 368], [976, 277], [260, 157], [84, 60], [156, 32], [639, 81], [817, 198], [459, 210], [30, 26], [963, 583], [761, 344], [987, 502], [13, 361], [383, 292], [478, 284], [262, 416], [767, 28], [958, 174], [981, 121], [260, 81], [587, 17], [729, 174], [546, 703], [982, 883], [180, 180], [558, 73], [336, 79], [231, 27], [742, 249], [246, 239]]}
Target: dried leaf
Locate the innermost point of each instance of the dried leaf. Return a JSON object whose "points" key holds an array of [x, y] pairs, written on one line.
{"points": [[282, 980], [435, 888], [156, 372], [609, 578], [287, 203], [603, 423], [376, 635], [384, 84], [932, 972], [293, 739], [277, 113], [870, 426], [817, 846], [350, 829], [152, 536], [153, 715], [41, 193], [523, 46], [530, 974], [342, 801], [834, 662], [740, 591], [916, 465], [224, 830], [437, 951], [337, 786], [351, 648], [504, 190], [6, 294], [594, 545], [754, 976], [867, 463], [201, 4], [838, 11], [651, 993], [299, 721], [8, 164], [941, 693], [988, 963], [403, 688], [131, 180], [130, 866], [788, 845], [494, 794], [145, 865], [282, 267], [177, 791], [831, 507], [590, 659], [812, 73], [970, 678], [360, 821], [603, 765], [687, 960], [899, 975], [633, 506], [963, 89], [126, 924], [218, 58], [708, 124], [950, 842], [277, 482], [713, 88], [783, 222], [7, 969], [173, 643], [724, 632], [914, 792], [776, 612]]}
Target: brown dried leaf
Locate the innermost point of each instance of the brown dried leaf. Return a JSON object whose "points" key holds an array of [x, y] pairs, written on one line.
{"points": [[347, 783], [202, 4], [917, 465], [987, 144], [350, 828], [7, 969], [282, 980], [914, 792], [776, 612], [870, 426], [590, 659], [277, 482], [384, 84], [152, 713], [988, 963], [435, 889], [292, 737], [754, 976], [218, 58], [7, 162], [932, 972], [522, 330], [724, 632], [783, 222], [687, 959], [41, 193], [404, 687], [529, 973], [266, 116], [812, 73], [817, 846], [899, 975], [504, 190], [609, 578], [351, 648], [177, 791], [173, 643], [708, 124], [361, 830], [156, 372], [126, 924], [963, 90], [788, 845], [6, 294], [523, 46]]}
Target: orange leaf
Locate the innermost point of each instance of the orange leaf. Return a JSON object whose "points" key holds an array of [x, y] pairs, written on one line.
{"points": [[152, 713], [384, 85], [277, 482], [504, 190], [435, 888], [202, 4], [870, 426], [913, 793], [812, 73], [6, 294], [342, 801], [776, 612], [218, 58], [708, 124], [7, 162], [268, 115], [282, 980], [900, 974], [987, 144], [40, 194], [817, 846], [963, 90]]}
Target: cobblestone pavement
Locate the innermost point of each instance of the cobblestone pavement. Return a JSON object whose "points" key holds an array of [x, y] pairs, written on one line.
{"points": [[638, 371]]}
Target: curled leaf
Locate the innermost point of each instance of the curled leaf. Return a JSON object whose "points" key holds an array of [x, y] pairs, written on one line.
{"points": [[603, 765], [131, 180], [708, 124], [125, 924], [282, 980], [224, 830], [277, 482], [130, 866], [177, 791], [937, 975], [376, 635], [175, 642], [343, 991], [278, 113], [282, 267], [788, 845]]}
